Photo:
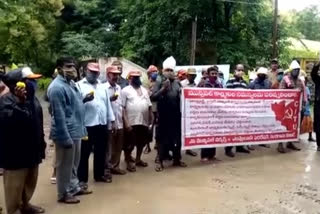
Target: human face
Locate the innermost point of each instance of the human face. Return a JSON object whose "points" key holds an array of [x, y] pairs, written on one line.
{"points": [[191, 77], [274, 66], [92, 76], [213, 76], [69, 71], [113, 78], [295, 73], [262, 77], [239, 72], [169, 73]]}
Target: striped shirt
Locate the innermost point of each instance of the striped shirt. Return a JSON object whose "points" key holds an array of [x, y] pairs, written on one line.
{"points": [[234, 83]]}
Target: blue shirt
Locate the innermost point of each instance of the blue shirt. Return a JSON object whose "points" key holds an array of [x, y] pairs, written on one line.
{"points": [[257, 84], [99, 110], [67, 110], [307, 110]]}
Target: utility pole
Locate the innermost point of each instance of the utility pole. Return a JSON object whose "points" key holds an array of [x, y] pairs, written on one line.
{"points": [[193, 41], [275, 31]]}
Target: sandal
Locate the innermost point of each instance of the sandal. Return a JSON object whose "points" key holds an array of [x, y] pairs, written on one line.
{"points": [[32, 209], [83, 192], [69, 200], [131, 168], [180, 164], [141, 163], [159, 167]]}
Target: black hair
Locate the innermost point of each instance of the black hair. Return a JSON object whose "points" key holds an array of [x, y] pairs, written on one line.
{"points": [[62, 60], [213, 68]]}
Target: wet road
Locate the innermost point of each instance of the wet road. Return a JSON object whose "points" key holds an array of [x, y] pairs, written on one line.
{"points": [[262, 182]]}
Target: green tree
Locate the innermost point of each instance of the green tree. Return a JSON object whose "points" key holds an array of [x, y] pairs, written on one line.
{"points": [[27, 29], [308, 22]]}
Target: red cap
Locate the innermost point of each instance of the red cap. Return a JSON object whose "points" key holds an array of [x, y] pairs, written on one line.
{"points": [[134, 74], [113, 69], [152, 68], [93, 67]]}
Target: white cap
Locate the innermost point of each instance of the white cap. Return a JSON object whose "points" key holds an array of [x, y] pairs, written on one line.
{"points": [[169, 63], [27, 73], [294, 65], [262, 70]]}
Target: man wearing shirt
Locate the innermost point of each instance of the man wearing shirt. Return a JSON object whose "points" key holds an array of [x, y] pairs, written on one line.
{"points": [[137, 119], [67, 129], [98, 113], [115, 138]]}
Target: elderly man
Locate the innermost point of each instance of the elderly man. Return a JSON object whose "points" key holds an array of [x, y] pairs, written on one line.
{"points": [[67, 129], [98, 113], [115, 138], [237, 83], [292, 81], [315, 74], [21, 152], [167, 94], [137, 119]]}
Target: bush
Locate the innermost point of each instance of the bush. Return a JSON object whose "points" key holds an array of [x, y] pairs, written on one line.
{"points": [[44, 83]]}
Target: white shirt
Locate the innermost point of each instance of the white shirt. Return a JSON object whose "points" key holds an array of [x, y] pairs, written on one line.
{"points": [[137, 107], [99, 110], [116, 105]]}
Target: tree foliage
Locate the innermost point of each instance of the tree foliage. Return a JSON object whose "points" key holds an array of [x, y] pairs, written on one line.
{"points": [[308, 21]]}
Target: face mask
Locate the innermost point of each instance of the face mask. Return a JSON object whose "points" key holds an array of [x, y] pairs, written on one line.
{"points": [[295, 73], [136, 81], [261, 78], [212, 79], [31, 87], [70, 73], [92, 77]]}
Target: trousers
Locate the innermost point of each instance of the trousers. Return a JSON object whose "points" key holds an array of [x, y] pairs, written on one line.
{"points": [[116, 141], [67, 162], [137, 137], [98, 141], [19, 186]]}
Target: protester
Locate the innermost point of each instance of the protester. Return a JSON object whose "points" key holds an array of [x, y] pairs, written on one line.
{"points": [[152, 77], [189, 82], [182, 75], [292, 81], [116, 138], [137, 119], [67, 129], [273, 72], [22, 144], [260, 83], [276, 84], [307, 123], [315, 74], [121, 81], [237, 83], [212, 82], [167, 95], [98, 113]]}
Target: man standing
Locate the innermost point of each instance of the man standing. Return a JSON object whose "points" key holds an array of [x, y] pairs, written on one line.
{"points": [[212, 82], [273, 73], [22, 144], [67, 129], [237, 83], [189, 82], [167, 95], [292, 81], [115, 138], [121, 81], [315, 74], [98, 113], [137, 119]]}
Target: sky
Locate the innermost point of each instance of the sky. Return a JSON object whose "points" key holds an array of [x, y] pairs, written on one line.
{"points": [[285, 5]]}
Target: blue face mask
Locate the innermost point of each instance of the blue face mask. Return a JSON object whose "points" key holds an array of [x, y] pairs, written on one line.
{"points": [[92, 77], [280, 77]]}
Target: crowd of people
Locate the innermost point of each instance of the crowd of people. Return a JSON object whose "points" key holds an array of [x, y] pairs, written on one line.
{"points": [[105, 118]]}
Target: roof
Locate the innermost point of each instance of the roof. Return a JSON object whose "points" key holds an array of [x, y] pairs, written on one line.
{"points": [[304, 45]]}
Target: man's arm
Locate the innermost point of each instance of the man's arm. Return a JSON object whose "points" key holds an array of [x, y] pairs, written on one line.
{"points": [[58, 107], [124, 111], [158, 90]]}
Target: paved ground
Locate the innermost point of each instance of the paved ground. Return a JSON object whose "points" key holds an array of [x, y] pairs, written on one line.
{"points": [[262, 182]]}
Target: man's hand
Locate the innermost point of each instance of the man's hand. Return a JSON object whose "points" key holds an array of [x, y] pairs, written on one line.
{"points": [[113, 127], [114, 98], [89, 97], [21, 93], [166, 85]]}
